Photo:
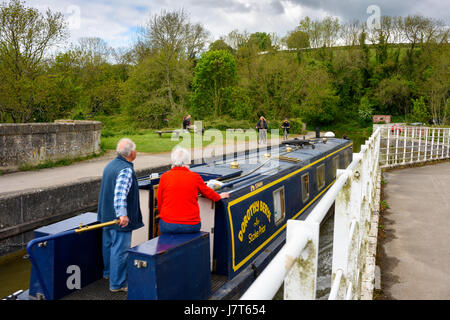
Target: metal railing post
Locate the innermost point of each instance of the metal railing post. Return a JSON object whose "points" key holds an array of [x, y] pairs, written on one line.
{"points": [[405, 137], [412, 144], [448, 144], [388, 147], [347, 208], [301, 281], [432, 144]]}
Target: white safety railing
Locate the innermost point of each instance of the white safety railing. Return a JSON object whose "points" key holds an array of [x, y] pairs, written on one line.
{"points": [[408, 145], [355, 196]]}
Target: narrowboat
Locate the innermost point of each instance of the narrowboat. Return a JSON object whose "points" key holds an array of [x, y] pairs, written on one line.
{"points": [[239, 235]]}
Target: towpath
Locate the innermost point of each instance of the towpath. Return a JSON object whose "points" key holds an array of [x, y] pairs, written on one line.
{"points": [[414, 251], [79, 172]]}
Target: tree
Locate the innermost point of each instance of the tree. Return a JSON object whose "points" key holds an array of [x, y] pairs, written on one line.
{"points": [[312, 29], [437, 83], [143, 94], [214, 73], [220, 45], [318, 100], [297, 40], [350, 32], [324, 33], [275, 87], [420, 32], [393, 95], [330, 29], [261, 40], [175, 38], [236, 40], [26, 35], [420, 111]]}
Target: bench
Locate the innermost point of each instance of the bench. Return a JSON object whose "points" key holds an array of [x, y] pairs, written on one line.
{"points": [[178, 131], [167, 131]]}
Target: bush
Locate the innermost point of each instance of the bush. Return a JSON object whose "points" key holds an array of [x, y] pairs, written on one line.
{"points": [[365, 110], [420, 111], [295, 123], [296, 126], [226, 123]]}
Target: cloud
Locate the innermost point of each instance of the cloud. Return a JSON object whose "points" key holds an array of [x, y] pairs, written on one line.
{"points": [[357, 9], [116, 21]]}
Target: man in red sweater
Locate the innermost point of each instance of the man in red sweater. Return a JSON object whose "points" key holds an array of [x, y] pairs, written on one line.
{"points": [[178, 196]]}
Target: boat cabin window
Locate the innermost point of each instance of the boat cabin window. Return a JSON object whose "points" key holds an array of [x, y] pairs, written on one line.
{"points": [[305, 187], [279, 205], [335, 165], [320, 176], [347, 158]]}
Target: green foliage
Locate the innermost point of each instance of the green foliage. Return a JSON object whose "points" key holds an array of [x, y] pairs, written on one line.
{"points": [[144, 94], [419, 112], [298, 40], [319, 102], [365, 110], [295, 123], [214, 77], [225, 123], [261, 40], [160, 79], [393, 94], [26, 35], [220, 45]]}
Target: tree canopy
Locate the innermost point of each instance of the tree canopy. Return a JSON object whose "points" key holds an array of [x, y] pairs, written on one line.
{"points": [[325, 71]]}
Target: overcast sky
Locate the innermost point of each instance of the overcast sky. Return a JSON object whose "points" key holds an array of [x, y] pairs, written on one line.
{"points": [[116, 21]]}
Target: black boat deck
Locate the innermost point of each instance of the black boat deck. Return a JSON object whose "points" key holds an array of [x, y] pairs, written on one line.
{"points": [[99, 290]]}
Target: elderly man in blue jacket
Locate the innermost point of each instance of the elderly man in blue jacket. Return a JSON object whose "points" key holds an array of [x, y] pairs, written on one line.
{"points": [[119, 199]]}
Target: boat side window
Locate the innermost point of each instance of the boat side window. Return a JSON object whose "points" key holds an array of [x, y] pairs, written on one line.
{"points": [[305, 187], [335, 165], [320, 176], [347, 153], [346, 159], [279, 205]]}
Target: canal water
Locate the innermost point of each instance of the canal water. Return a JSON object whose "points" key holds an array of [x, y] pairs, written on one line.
{"points": [[325, 259], [14, 273]]}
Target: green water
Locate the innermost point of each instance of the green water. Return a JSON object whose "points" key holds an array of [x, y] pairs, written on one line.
{"points": [[14, 273]]}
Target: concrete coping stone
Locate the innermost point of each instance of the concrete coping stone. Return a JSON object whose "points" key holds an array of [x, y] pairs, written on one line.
{"points": [[7, 129]]}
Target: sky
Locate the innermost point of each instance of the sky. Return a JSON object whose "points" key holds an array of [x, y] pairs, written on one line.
{"points": [[116, 21]]}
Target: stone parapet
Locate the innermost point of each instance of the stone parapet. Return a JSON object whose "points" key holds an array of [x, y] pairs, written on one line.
{"points": [[35, 143]]}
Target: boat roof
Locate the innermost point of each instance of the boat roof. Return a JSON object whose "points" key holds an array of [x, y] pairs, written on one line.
{"points": [[255, 165]]}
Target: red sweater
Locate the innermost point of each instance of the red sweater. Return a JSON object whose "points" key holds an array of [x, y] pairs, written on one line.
{"points": [[178, 196]]}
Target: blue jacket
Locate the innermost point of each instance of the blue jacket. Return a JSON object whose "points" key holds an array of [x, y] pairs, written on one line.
{"points": [[106, 210]]}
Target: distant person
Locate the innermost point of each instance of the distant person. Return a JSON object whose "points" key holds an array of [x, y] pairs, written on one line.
{"points": [[178, 196], [286, 126], [262, 130], [187, 122], [119, 199]]}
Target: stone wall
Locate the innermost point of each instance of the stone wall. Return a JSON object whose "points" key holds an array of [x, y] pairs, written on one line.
{"points": [[35, 143], [24, 211]]}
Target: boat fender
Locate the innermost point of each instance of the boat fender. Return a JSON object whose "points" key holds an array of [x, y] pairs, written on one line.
{"points": [[214, 184]]}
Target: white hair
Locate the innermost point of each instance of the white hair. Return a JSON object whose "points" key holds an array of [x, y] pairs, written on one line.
{"points": [[124, 147], [180, 157]]}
